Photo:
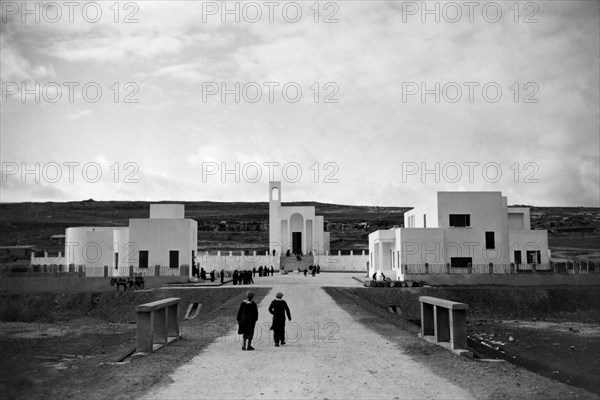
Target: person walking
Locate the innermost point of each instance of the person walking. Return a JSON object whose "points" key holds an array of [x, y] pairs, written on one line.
{"points": [[279, 309], [222, 275], [246, 318]]}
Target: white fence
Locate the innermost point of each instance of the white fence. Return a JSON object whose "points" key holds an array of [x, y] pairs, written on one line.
{"points": [[501, 269]]}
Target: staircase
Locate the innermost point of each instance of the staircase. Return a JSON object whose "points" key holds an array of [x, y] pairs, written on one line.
{"points": [[291, 265]]}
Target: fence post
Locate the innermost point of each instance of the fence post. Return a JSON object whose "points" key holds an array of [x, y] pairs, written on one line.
{"points": [[491, 268], [131, 271], [157, 270]]}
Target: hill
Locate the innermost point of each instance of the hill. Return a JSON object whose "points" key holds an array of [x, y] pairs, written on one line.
{"points": [[239, 225]]}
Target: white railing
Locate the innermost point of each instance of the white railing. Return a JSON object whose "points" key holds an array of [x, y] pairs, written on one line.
{"points": [[93, 272], [437, 268], [459, 270], [500, 269], [415, 269], [480, 269]]}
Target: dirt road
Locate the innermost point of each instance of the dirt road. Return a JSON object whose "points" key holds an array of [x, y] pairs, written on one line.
{"points": [[328, 354]]}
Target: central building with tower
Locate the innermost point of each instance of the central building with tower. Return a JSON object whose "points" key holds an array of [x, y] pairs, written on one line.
{"points": [[294, 228]]}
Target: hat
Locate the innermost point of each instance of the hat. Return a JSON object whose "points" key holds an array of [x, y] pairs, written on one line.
{"points": [[250, 295], [279, 295]]}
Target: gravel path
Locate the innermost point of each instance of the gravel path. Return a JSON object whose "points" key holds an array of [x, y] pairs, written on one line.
{"points": [[328, 355]]}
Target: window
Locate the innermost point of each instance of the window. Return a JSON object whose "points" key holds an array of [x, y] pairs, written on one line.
{"points": [[143, 258], [174, 259], [534, 257], [460, 220], [518, 257], [489, 240], [460, 262]]}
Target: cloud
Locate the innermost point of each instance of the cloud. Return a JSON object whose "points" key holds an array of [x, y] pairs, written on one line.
{"points": [[117, 50], [75, 115], [15, 67], [187, 72]]}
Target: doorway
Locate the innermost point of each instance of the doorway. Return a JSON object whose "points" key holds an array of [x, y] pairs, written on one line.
{"points": [[296, 242], [518, 260]]}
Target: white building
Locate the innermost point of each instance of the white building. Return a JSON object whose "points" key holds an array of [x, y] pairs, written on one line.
{"points": [[297, 229], [460, 229], [165, 239]]}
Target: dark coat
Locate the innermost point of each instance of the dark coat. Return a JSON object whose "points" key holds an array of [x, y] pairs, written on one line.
{"points": [[247, 317], [279, 309]]}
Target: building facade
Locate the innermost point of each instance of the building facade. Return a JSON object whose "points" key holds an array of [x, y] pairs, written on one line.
{"points": [[294, 228], [460, 229], [166, 238]]}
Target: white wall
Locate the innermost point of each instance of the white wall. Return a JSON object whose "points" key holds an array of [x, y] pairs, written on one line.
{"points": [[354, 263], [170, 211], [519, 218], [232, 262], [488, 213], [84, 244], [159, 236], [421, 245]]}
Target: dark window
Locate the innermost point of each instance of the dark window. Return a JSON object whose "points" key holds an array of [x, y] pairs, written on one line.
{"points": [[460, 262], [460, 220], [143, 258], [174, 259], [489, 240], [518, 257], [534, 257]]}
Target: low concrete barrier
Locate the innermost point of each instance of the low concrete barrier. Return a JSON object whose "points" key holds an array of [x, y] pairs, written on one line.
{"points": [[444, 322], [157, 324]]}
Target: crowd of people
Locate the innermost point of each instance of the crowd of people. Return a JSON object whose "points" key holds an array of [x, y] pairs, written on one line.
{"points": [[246, 277], [201, 274], [314, 270]]}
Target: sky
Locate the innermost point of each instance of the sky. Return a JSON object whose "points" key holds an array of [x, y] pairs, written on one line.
{"points": [[379, 103]]}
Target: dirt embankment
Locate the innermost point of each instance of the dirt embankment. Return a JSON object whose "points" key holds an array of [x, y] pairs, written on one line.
{"points": [[66, 346], [579, 304], [554, 332]]}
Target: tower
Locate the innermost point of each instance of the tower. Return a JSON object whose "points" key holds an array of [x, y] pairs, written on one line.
{"points": [[274, 221]]}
